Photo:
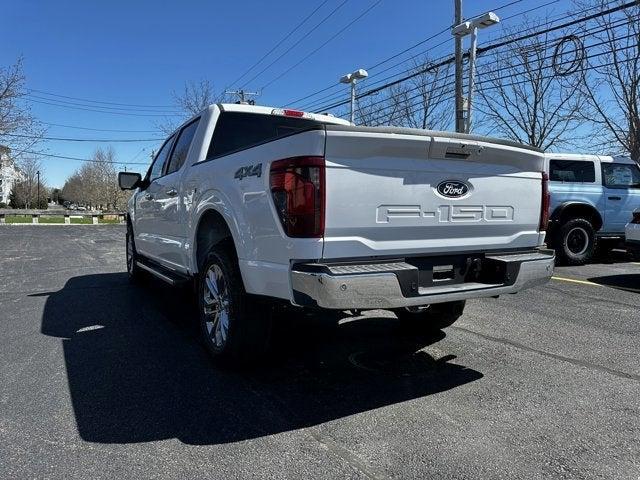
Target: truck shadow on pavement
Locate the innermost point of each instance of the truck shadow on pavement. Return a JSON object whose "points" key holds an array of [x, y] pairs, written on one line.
{"points": [[629, 282], [137, 372]]}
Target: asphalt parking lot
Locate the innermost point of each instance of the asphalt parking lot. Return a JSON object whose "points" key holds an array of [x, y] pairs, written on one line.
{"points": [[101, 379]]}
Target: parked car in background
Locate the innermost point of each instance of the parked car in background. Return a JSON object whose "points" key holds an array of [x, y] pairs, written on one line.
{"points": [[592, 198], [632, 233], [263, 206]]}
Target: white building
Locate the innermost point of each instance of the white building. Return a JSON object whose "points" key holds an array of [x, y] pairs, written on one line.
{"points": [[9, 174]]}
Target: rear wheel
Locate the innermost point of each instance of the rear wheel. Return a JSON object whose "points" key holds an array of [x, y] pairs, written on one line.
{"points": [[431, 318], [576, 242], [234, 325]]}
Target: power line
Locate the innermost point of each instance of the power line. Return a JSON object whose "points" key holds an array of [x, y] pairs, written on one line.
{"points": [[323, 44], [123, 109], [422, 42], [296, 43], [510, 75], [64, 139], [543, 46], [335, 97], [285, 38], [547, 45], [97, 129], [44, 92], [481, 50], [90, 160], [100, 111]]}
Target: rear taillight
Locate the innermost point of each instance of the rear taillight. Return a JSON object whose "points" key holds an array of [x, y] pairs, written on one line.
{"points": [[298, 189], [544, 205], [636, 217]]}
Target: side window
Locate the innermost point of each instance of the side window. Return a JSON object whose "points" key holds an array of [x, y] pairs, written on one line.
{"points": [[158, 163], [239, 130], [181, 149], [572, 171], [620, 175]]}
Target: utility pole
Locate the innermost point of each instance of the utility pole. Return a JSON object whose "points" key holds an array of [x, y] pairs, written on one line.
{"points": [[38, 187], [459, 106], [242, 95]]}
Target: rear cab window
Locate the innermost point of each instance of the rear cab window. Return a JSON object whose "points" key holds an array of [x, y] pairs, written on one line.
{"points": [[237, 131], [620, 175], [579, 171]]}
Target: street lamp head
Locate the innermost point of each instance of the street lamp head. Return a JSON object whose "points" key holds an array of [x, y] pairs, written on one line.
{"points": [[483, 21], [461, 30], [357, 75], [346, 78], [360, 74], [486, 20]]}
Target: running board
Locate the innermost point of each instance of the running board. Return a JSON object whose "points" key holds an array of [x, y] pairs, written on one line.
{"points": [[163, 274]]}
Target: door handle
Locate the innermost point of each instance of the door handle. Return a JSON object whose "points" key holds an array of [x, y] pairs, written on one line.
{"points": [[615, 198], [148, 196], [172, 193]]}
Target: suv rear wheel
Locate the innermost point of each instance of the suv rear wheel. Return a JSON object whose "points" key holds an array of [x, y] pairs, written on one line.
{"points": [[232, 323], [431, 318], [576, 242]]}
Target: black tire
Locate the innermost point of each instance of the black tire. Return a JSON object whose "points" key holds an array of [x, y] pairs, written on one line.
{"points": [[576, 242], [245, 336], [134, 272], [432, 317]]}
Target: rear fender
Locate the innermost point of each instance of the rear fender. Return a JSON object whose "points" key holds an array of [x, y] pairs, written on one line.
{"points": [[568, 210]]}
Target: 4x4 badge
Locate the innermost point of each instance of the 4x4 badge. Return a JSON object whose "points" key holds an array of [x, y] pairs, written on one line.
{"points": [[250, 171]]}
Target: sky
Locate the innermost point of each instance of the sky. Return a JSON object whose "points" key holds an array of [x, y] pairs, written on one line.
{"points": [[135, 53]]}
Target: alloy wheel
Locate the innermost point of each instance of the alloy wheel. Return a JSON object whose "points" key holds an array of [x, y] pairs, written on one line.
{"points": [[216, 306]]}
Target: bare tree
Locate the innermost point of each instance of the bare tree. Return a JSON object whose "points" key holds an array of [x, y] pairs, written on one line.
{"points": [[19, 129], [521, 98], [424, 104], [418, 103], [611, 80], [379, 108], [24, 193], [95, 184], [194, 97]]}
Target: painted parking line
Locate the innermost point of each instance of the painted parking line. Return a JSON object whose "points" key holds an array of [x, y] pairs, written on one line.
{"points": [[593, 284], [575, 280]]}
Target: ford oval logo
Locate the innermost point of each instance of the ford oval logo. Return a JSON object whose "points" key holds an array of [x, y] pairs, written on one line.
{"points": [[452, 189]]}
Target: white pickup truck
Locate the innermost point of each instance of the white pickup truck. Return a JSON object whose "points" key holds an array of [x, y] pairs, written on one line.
{"points": [[259, 204]]}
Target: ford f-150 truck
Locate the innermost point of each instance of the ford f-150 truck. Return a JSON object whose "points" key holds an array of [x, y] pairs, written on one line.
{"points": [[257, 205]]}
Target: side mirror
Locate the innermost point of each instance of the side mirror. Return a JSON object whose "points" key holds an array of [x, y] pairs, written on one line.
{"points": [[129, 180]]}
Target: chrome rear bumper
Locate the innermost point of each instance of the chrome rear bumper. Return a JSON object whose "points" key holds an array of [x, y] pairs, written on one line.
{"points": [[385, 285]]}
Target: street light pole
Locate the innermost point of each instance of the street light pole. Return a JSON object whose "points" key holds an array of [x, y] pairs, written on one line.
{"points": [[472, 74], [351, 79], [470, 27], [460, 120], [353, 100]]}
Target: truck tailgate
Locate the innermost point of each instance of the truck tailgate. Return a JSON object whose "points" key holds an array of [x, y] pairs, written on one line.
{"points": [[402, 193]]}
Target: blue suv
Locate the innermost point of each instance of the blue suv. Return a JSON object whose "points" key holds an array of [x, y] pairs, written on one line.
{"points": [[592, 198]]}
